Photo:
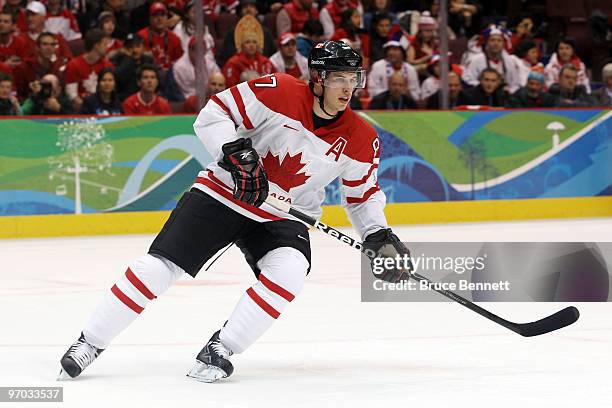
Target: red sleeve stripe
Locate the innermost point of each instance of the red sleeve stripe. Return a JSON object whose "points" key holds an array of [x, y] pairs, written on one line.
{"points": [[240, 103], [356, 183], [364, 198], [223, 106], [262, 303], [227, 195], [126, 300], [276, 289], [139, 285]]}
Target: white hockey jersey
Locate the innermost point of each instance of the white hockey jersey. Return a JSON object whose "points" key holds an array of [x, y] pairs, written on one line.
{"points": [[275, 111]]}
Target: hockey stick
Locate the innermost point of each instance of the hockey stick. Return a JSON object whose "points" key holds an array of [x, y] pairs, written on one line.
{"points": [[556, 321]]}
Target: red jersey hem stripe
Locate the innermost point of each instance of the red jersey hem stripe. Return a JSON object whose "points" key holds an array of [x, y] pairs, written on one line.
{"points": [[368, 194], [240, 103], [126, 300], [139, 285], [285, 294], [227, 195], [263, 304]]}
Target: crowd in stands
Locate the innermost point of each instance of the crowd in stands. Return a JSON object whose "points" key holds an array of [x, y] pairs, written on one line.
{"points": [[111, 57]]}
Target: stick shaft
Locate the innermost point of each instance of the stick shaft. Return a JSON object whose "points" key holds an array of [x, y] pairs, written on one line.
{"points": [[515, 327]]}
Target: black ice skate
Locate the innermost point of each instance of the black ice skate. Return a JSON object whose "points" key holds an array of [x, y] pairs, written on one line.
{"points": [[212, 363], [79, 355]]}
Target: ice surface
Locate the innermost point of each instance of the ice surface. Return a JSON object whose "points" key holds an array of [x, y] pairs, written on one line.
{"points": [[327, 350]]}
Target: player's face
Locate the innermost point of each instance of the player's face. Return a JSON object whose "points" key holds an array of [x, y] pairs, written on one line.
{"points": [[338, 96], [6, 23], [107, 83], [148, 81]]}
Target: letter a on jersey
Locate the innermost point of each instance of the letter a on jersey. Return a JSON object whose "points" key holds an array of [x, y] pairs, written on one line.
{"points": [[337, 148]]}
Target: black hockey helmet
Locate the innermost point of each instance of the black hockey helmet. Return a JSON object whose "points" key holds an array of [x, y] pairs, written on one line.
{"points": [[330, 56]]}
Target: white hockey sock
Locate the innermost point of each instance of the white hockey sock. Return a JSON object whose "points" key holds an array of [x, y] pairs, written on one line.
{"points": [[282, 276], [147, 278]]}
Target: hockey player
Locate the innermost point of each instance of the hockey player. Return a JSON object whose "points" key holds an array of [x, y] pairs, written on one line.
{"points": [[261, 145]]}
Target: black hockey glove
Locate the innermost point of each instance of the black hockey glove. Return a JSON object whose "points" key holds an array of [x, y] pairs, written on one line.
{"points": [[250, 180], [387, 245]]}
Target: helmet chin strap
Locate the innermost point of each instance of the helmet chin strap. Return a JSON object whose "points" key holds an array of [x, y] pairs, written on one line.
{"points": [[321, 99]]}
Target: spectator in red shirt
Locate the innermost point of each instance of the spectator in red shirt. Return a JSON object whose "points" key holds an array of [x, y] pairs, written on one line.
{"points": [[81, 75], [294, 14], [36, 13], [5, 68], [424, 46], [12, 47], [16, 8], [331, 14], [288, 60], [34, 68], [146, 101], [216, 84], [248, 63], [163, 43]]}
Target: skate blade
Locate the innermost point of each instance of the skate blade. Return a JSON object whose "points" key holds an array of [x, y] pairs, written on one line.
{"points": [[63, 375], [206, 373]]}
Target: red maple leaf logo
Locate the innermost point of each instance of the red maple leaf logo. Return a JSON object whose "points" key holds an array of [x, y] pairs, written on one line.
{"points": [[285, 173]]}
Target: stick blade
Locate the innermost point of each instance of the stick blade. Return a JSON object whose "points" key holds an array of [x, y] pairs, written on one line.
{"points": [[556, 321]]}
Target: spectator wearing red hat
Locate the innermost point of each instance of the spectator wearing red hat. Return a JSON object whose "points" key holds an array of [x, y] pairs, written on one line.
{"points": [[350, 29], [34, 68], [425, 44], [183, 70], [36, 14], [331, 15], [13, 48], [81, 75], [288, 60], [60, 20], [248, 63], [394, 61], [146, 101], [163, 43], [294, 14], [108, 24]]}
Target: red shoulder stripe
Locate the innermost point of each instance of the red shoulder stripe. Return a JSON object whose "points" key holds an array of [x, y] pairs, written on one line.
{"points": [[223, 106], [240, 103]]}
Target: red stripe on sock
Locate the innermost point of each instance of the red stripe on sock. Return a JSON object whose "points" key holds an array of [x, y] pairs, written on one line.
{"points": [[263, 304], [139, 285], [285, 294], [126, 300]]}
